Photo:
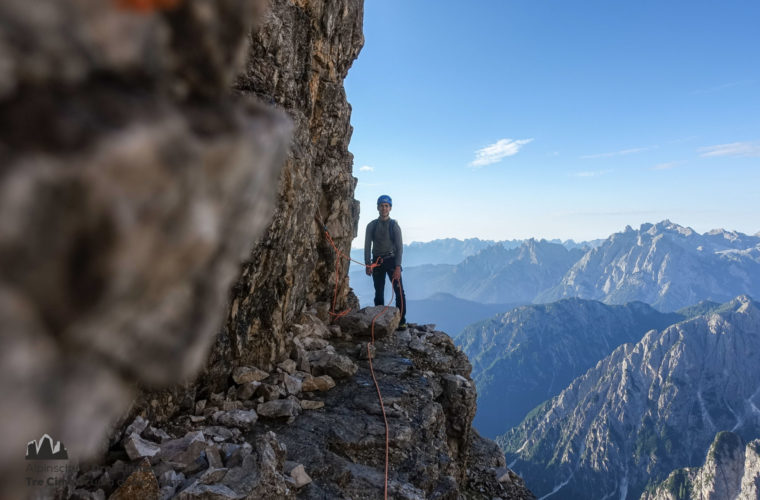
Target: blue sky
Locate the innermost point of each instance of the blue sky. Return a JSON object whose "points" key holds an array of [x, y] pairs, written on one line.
{"points": [[504, 119]]}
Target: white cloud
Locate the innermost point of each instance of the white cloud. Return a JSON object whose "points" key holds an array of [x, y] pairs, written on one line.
{"points": [[616, 153], [595, 173], [667, 165], [720, 88], [732, 149], [366, 168], [498, 151]]}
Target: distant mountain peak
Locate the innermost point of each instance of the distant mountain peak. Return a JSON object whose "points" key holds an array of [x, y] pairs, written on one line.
{"points": [[744, 303], [667, 226], [665, 265], [729, 235]]}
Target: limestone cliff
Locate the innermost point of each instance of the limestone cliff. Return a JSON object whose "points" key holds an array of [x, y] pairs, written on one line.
{"points": [[646, 409], [131, 184], [297, 61], [731, 470]]}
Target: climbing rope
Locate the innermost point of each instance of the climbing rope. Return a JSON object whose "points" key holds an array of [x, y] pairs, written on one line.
{"points": [[148, 5], [339, 254]]}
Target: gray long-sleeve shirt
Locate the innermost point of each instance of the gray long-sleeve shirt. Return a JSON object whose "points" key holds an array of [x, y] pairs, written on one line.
{"points": [[378, 242]]}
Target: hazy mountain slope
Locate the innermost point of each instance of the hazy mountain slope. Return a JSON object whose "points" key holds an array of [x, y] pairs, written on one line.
{"points": [[700, 308], [665, 265], [445, 251], [583, 245], [731, 471], [529, 354], [441, 251], [420, 282], [452, 314], [646, 409], [514, 275], [496, 274], [454, 251]]}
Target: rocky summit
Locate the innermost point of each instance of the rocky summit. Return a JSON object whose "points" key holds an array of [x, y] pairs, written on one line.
{"points": [[646, 409], [665, 265], [731, 470], [299, 433], [525, 356]]}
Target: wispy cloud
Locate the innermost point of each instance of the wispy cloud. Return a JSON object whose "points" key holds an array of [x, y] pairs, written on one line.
{"points": [[617, 153], [366, 168], [667, 165], [498, 151], [606, 213], [719, 88], [594, 173], [732, 149]]}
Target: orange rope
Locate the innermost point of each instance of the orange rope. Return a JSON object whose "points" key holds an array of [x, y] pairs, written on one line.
{"points": [[372, 266], [148, 5], [374, 379], [339, 254]]}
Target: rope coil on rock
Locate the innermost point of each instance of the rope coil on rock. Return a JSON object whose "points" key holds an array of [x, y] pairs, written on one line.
{"points": [[338, 255]]}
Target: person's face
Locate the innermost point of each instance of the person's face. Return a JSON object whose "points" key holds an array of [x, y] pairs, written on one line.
{"points": [[384, 209]]}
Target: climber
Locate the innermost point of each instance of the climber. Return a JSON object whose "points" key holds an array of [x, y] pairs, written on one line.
{"points": [[383, 240]]}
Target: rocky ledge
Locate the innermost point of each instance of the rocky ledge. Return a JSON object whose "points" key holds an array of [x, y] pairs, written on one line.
{"points": [[313, 427]]}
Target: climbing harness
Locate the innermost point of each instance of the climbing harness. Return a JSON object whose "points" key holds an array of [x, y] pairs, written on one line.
{"points": [[338, 256]]}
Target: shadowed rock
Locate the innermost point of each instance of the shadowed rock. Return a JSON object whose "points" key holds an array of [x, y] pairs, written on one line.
{"points": [[132, 184], [140, 484], [359, 323]]}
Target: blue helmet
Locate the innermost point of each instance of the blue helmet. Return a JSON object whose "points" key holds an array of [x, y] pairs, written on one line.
{"points": [[385, 199]]}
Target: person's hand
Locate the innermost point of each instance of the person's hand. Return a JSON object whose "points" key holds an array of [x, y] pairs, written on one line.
{"points": [[368, 270], [397, 273]]}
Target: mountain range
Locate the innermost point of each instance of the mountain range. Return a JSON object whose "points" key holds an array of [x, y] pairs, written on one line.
{"points": [[497, 274], [664, 265], [454, 251], [645, 410], [529, 354]]}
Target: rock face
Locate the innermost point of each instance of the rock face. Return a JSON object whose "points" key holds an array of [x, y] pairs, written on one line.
{"points": [[298, 60], [378, 321], [528, 355], [731, 470], [324, 441], [646, 409], [132, 182]]}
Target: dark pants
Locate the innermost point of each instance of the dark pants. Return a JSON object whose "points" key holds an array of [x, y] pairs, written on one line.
{"points": [[378, 278]]}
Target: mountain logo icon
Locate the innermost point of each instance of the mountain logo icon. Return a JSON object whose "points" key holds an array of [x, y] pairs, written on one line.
{"points": [[45, 449]]}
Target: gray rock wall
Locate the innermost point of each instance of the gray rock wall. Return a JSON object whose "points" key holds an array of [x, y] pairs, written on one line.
{"points": [[132, 184], [298, 60]]}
